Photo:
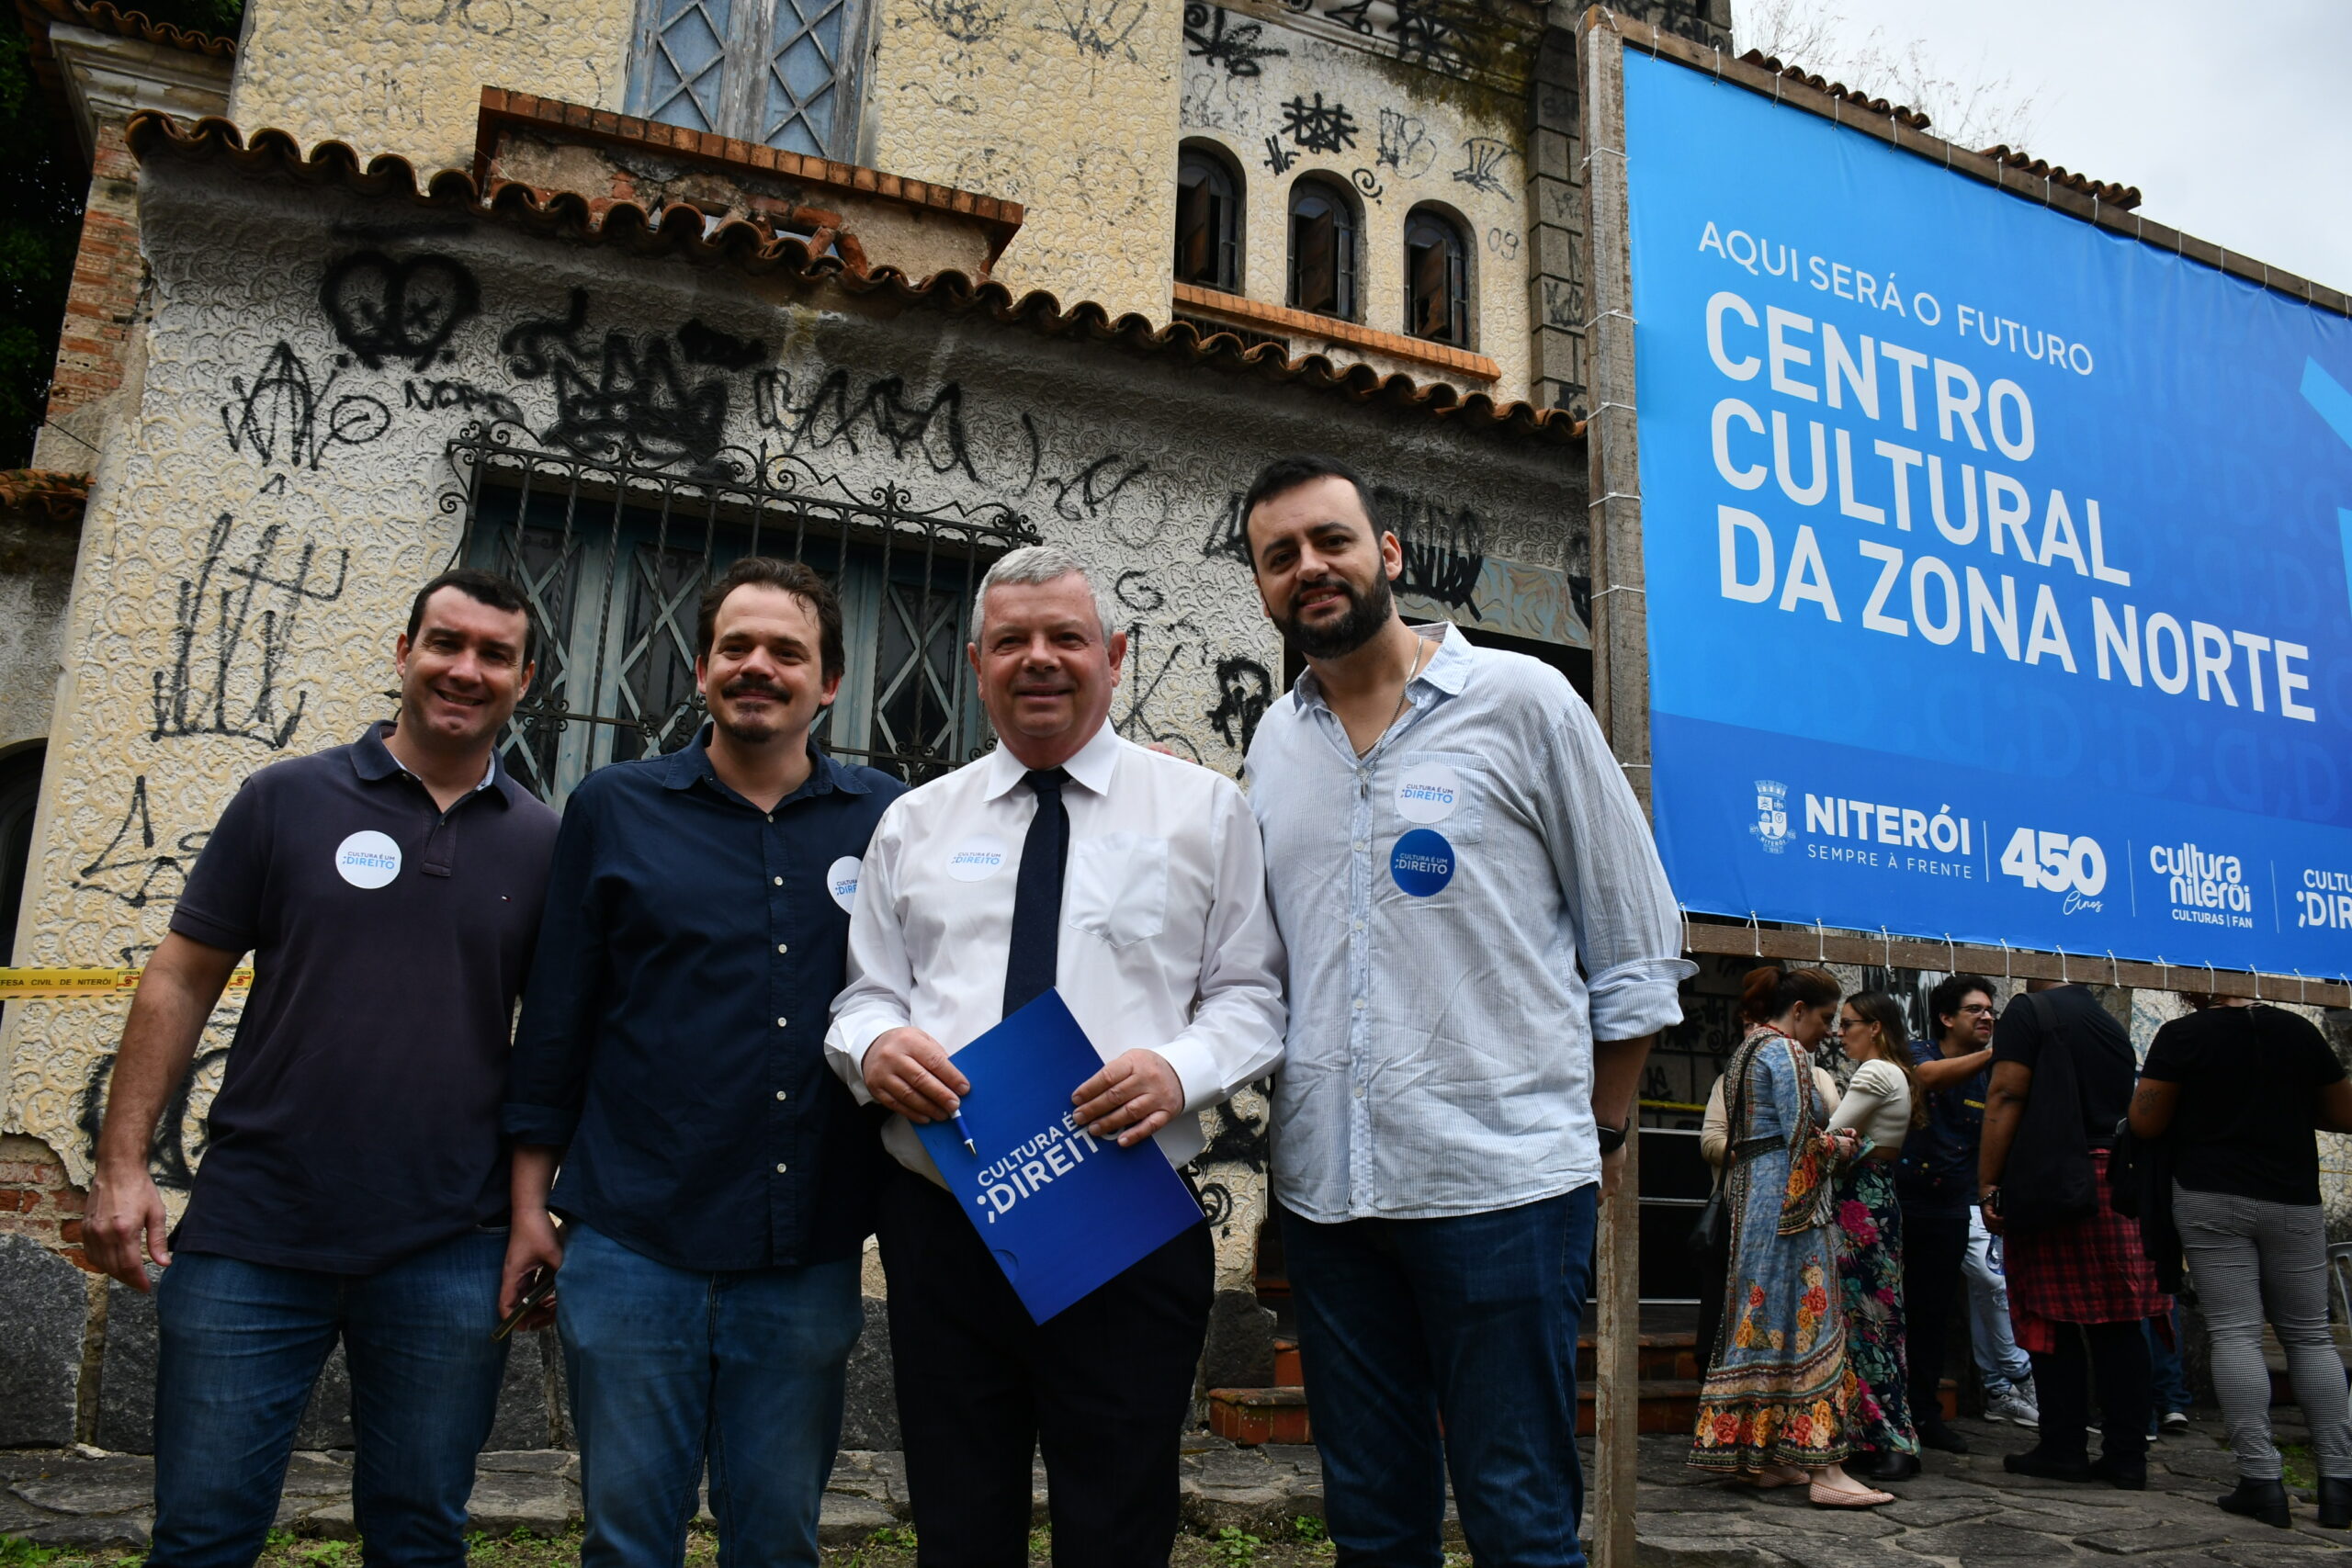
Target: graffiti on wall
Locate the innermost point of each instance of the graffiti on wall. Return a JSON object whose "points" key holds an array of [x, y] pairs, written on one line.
{"points": [[233, 629]]}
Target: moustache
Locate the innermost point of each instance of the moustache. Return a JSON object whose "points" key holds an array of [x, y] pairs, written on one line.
{"points": [[744, 684]]}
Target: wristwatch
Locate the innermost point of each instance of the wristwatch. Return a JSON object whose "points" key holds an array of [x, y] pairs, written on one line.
{"points": [[1612, 1138]]}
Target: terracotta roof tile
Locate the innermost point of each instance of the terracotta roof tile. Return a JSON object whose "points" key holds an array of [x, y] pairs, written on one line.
{"points": [[54, 497], [2116, 196], [2106, 193], [685, 229]]}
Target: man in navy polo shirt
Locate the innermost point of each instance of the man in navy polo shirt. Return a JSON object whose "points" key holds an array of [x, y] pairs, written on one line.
{"points": [[354, 1185], [718, 1181]]}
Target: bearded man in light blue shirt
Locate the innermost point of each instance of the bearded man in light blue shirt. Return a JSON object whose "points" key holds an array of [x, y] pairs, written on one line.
{"points": [[1482, 946]]}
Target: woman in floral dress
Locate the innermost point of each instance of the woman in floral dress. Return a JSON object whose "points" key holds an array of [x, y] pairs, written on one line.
{"points": [[1882, 1104], [1777, 1404]]}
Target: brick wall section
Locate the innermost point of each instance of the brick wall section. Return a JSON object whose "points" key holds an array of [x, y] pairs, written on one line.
{"points": [[104, 298], [36, 1199]]}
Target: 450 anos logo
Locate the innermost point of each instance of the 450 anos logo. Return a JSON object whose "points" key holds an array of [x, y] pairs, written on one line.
{"points": [[2055, 863]]}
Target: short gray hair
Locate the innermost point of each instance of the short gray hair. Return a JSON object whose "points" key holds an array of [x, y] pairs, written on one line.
{"points": [[1040, 563]]}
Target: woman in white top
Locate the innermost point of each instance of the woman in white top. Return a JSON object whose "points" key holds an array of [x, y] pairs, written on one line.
{"points": [[1883, 1103]]}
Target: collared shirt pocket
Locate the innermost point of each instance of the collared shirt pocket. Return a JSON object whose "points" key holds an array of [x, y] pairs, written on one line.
{"points": [[1442, 790], [1116, 887]]}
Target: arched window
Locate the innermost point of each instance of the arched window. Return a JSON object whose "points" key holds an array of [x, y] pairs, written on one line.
{"points": [[1322, 249], [1437, 278], [1208, 221]]}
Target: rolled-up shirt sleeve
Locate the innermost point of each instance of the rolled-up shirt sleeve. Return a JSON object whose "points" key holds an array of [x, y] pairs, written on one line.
{"points": [[881, 979], [547, 1075], [1236, 1029], [1628, 931]]}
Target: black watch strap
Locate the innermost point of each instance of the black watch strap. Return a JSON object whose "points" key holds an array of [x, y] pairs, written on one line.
{"points": [[1612, 1138]]}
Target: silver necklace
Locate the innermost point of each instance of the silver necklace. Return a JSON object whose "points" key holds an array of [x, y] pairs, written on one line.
{"points": [[1402, 691]]}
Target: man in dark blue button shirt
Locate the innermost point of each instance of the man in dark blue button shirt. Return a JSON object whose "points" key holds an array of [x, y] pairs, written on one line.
{"points": [[389, 891], [717, 1178]]}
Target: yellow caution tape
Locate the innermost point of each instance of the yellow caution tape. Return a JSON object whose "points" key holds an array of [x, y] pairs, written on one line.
{"points": [[28, 985]]}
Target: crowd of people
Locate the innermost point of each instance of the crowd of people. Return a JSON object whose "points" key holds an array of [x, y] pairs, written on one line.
{"points": [[2077, 1193], [649, 1069], [743, 971]]}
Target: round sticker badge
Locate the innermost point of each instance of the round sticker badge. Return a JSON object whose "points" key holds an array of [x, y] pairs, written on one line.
{"points": [[840, 881], [1422, 862], [977, 859], [1428, 792], [368, 859]]}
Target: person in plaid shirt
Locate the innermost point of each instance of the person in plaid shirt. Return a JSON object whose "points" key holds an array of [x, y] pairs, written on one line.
{"points": [[2080, 1289]]}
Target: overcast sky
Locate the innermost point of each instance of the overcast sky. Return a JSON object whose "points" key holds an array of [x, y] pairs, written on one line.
{"points": [[2235, 121]]}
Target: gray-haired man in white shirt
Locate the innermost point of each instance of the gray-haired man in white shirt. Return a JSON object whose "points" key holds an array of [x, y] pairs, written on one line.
{"points": [[1134, 883]]}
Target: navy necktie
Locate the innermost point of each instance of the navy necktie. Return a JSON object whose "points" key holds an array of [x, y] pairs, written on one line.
{"points": [[1037, 894]]}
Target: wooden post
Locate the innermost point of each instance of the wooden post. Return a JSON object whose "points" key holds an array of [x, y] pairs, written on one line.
{"points": [[1621, 703]]}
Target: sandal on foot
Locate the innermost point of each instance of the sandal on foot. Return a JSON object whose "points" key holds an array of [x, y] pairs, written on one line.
{"points": [[1822, 1496]]}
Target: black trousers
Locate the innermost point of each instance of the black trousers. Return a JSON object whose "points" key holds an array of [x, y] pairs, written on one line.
{"points": [[1935, 1245], [2114, 1356], [1104, 1388]]}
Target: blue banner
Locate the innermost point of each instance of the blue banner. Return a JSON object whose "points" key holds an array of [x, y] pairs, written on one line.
{"points": [[1999, 567]]}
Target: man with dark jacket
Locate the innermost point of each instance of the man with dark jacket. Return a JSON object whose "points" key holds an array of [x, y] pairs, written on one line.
{"points": [[2079, 1284]]}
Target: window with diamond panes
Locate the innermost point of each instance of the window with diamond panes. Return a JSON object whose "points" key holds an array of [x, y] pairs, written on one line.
{"points": [[613, 589], [779, 73]]}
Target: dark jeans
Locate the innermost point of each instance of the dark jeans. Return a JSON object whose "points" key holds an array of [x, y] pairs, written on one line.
{"points": [[671, 1367], [1103, 1388], [241, 1345], [2167, 1378], [2113, 1355], [1935, 1245], [1443, 1345]]}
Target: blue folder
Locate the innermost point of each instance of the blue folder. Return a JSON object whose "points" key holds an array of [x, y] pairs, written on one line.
{"points": [[1062, 1211]]}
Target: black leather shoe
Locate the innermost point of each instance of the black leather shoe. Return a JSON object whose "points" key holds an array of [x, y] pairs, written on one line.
{"points": [[2335, 1503], [2264, 1500], [1942, 1439], [1884, 1465], [2124, 1475], [2033, 1462]]}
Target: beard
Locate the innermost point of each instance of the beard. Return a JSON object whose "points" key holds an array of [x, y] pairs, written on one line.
{"points": [[1368, 610], [756, 726]]}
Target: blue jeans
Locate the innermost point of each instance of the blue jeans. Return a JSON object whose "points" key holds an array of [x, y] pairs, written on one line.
{"points": [[1998, 1361], [670, 1368], [242, 1345], [1470, 1321]]}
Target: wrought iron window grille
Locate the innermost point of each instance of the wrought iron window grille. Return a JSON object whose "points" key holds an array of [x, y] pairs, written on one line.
{"points": [[613, 556]]}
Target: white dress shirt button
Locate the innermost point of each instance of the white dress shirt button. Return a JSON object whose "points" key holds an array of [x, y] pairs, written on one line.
{"points": [[781, 1095], [783, 1022], [779, 882], [780, 1167], [781, 949]]}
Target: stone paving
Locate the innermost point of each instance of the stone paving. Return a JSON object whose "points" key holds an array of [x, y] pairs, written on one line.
{"points": [[1962, 1510]]}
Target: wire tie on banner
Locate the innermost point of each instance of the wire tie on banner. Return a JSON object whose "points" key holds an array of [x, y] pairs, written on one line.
{"points": [[2298, 989], [2114, 970], [1757, 931], [1719, 63], [1885, 951], [2005, 957], [1820, 942], [2062, 968], [1952, 955]]}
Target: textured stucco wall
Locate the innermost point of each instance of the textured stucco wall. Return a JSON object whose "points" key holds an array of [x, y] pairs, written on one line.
{"points": [[270, 457], [36, 580], [1068, 107], [406, 77], [1286, 99]]}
